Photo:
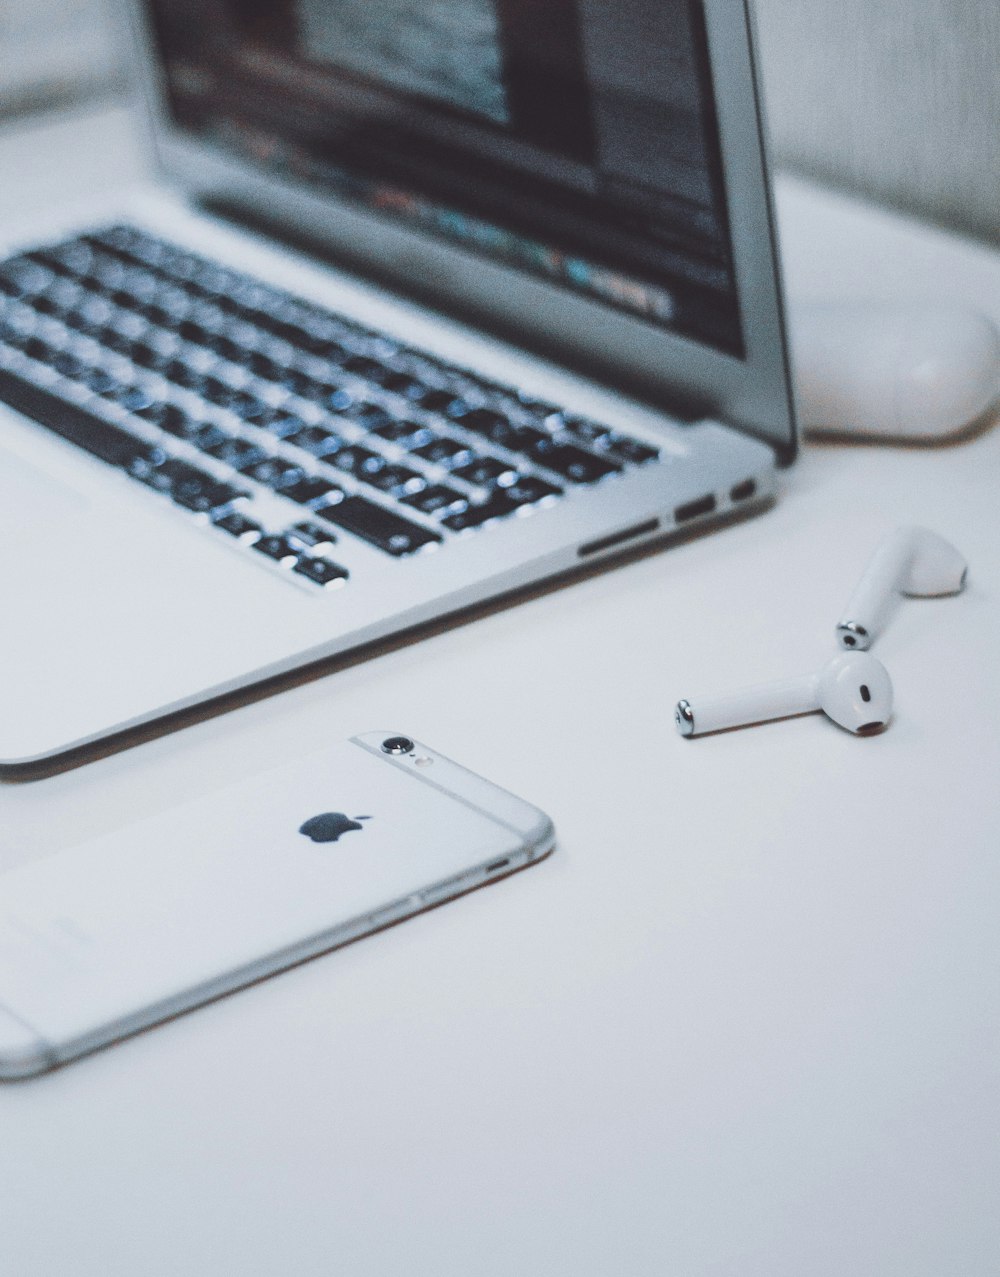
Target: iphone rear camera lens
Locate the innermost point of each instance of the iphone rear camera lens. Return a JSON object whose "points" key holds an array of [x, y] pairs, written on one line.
{"points": [[397, 745]]}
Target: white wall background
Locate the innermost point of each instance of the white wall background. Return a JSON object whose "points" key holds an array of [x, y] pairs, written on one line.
{"points": [[897, 99], [51, 50]]}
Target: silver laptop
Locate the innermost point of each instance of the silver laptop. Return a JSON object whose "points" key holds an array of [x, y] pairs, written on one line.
{"points": [[437, 298]]}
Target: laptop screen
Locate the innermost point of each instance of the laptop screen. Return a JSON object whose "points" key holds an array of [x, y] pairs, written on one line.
{"points": [[573, 139]]}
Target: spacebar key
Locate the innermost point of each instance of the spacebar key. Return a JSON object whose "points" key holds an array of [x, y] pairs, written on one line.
{"points": [[378, 526], [74, 423]]}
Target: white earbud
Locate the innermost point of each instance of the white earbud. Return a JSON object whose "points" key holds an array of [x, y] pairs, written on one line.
{"points": [[854, 690], [911, 561]]}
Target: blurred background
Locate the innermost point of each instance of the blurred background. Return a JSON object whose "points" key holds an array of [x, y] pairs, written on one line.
{"points": [[898, 101]]}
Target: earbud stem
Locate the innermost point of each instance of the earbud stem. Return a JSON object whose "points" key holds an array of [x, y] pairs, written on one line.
{"points": [[913, 561], [877, 592], [757, 704]]}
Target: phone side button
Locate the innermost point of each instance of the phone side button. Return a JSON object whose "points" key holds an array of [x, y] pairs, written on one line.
{"points": [[507, 864]]}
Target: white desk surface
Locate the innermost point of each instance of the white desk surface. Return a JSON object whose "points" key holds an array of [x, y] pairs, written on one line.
{"points": [[744, 1021]]}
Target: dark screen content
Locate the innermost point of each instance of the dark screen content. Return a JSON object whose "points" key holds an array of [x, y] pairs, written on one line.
{"points": [[573, 139]]}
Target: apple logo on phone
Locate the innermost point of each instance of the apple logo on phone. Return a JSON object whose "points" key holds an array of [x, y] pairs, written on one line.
{"points": [[328, 826]]}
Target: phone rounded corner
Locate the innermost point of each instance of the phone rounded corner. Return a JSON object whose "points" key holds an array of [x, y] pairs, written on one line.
{"points": [[23, 1052], [540, 839]]}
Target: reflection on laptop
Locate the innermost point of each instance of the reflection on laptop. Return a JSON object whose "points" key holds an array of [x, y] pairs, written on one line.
{"points": [[243, 474]]}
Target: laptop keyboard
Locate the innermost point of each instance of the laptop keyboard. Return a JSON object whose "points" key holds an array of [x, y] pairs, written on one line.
{"points": [[280, 424]]}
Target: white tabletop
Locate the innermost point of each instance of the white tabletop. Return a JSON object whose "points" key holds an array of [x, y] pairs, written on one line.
{"points": [[743, 1021]]}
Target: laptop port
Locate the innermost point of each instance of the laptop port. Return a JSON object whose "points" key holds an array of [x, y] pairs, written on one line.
{"points": [[695, 509], [742, 491]]}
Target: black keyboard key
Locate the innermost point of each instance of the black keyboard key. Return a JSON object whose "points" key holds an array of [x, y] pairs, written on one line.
{"points": [[504, 501], [248, 407], [263, 366], [46, 304], [144, 356], [99, 381], [309, 489], [136, 399], [289, 333], [122, 299], [82, 324], [395, 479], [302, 384], [39, 350], [157, 316], [492, 425], [312, 534], [444, 452], [146, 467], [369, 416], [68, 365], [225, 347], [172, 419], [14, 282], [236, 452], [189, 330], [24, 279], [323, 348], [314, 439], [357, 461], [204, 494], [622, 448], [9, 334], [572, 462], [538, 407], [587, 431], [113, 389], [407, 433], [273, 472], [338, 400], [320, 571], [528, 438], [486, 472], [182, 264], [445, 402], [436, 498], [236, 524], [282, 425], [529, 488], [258, 413], [173, 472], [497, 506], [208, 435], [72, 422], [194, 489], [405, 384], [182, 374], [378, 526], [482, 384], [221, 393], [363, 366], [278, 548]]}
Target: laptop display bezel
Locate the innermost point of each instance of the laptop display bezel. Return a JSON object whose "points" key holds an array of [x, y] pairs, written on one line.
{"points": [[648, 362]]}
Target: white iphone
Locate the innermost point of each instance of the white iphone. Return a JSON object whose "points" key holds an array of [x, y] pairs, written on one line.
{"points": [[125, 930]]}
